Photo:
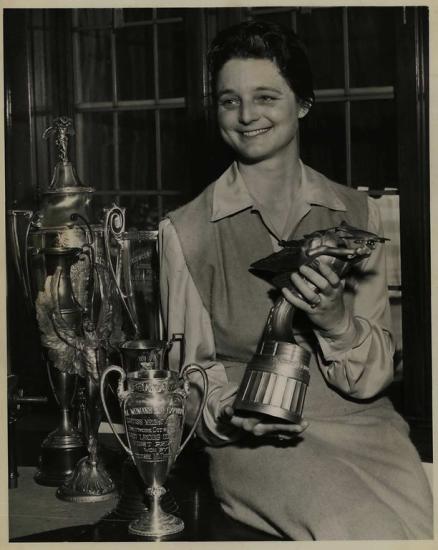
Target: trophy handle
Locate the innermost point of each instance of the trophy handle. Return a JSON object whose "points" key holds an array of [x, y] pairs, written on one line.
{"points": [[121, 393], [20, 259], [115, 225], [176, 337], [186, 370]]}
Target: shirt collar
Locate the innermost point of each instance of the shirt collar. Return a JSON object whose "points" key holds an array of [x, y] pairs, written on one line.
{"points": [[231, 195]]}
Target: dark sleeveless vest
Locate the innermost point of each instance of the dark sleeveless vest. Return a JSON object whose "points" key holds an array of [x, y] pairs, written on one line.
{"points": [[219, 253]]}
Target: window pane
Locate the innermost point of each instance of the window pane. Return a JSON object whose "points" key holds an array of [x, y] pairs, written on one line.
{"points": [[135, 14], [137, 150], [141, 212], [171, 51], [135, 63], [280, 17], [173, 202], [174, 141], [322, 140], [372, 46], [321, 31], [94, 17], [94, 65], [374, 144], [170, 12], [95, 142]]}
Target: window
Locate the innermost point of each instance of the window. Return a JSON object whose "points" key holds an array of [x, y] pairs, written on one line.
{"points": [[130, 107]]}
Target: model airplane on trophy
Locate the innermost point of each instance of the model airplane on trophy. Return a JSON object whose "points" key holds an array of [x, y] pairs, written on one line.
{"points": [[276, 379]]}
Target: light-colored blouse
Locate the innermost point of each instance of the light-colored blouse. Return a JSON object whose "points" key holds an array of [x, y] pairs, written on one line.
{"points": [[357, 362]]}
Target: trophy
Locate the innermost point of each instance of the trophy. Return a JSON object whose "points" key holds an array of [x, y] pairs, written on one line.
{"points": [[133, 263], [276, 379], [39, 240], [62, 265], [153, 408]]}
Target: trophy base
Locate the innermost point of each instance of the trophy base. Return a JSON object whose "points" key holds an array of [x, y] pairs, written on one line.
{"points": [[89, 482], [157, 525], [131, 504], [275, 382], [62, 439], [56, 465]]}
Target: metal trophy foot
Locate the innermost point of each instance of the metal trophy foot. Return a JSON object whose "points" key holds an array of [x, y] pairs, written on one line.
{"points": [[55, 465], [155, 523], [275, 381], [60, 451], [131, 504], [90, 482]]}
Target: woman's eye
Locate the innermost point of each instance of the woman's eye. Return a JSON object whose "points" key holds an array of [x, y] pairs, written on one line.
{"points": [[266, 99], [229, 102]]}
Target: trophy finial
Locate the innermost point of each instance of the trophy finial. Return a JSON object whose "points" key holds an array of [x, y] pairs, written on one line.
{"points": [[64, 174], [61, 127]]}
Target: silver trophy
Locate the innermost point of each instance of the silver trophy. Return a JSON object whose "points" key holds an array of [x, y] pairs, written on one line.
{"points": [[61, 261], [61, 224], [153, 409], [276, 379]]}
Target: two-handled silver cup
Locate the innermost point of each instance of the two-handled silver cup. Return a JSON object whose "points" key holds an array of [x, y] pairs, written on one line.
{"points": [[153, 406]]}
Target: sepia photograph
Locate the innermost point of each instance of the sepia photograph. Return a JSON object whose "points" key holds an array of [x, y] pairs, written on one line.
{"points": [[218, 273]]}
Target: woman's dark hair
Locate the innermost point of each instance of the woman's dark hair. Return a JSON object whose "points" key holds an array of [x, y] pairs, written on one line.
{"points": [[264, 40]]}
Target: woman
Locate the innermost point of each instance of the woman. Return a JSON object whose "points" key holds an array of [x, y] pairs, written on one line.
{"points": [[349, 470]]}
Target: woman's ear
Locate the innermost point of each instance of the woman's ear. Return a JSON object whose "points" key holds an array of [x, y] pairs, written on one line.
{"points": [[303, 109]]}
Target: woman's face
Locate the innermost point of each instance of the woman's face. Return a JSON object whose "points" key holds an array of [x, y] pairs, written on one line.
{"points": [[257, 109]]}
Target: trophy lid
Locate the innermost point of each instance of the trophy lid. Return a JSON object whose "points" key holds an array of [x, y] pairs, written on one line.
{"points": [[65, 178]]}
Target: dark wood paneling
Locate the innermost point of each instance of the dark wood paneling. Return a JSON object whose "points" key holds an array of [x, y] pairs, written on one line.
{"points": [[413, 146]]}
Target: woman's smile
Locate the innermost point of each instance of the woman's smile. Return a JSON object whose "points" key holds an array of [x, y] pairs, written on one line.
{"points": [[257, 132]]}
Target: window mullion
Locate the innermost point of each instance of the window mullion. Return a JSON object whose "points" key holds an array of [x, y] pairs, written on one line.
{"points": [[347, 93], [158, 159]]}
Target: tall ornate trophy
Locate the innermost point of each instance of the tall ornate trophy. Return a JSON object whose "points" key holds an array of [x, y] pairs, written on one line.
{"points": [[57, 227], [276, 379], [63, 269], [153, 408]]}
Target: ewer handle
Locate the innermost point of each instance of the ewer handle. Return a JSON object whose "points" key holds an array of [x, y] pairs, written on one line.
{"points": [[121, 393], [185, 371]]}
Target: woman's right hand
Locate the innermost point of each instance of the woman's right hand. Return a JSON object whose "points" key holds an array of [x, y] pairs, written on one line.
{"points": [[259, 427]]}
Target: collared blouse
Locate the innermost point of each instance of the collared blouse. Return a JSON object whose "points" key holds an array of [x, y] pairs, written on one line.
{"points": [[357, 362]]}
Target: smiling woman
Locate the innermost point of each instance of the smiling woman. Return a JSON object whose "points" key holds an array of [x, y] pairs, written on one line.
{"points": [[349, 470], [257, 110]]}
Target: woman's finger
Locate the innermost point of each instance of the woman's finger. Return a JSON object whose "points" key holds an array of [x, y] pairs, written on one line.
{"points": [[319, 280], [297, 302], [286, 429], [326, 272], [305, 288]]}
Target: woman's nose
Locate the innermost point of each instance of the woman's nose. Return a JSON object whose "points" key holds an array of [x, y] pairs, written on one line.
{"points": [[248, 112]]}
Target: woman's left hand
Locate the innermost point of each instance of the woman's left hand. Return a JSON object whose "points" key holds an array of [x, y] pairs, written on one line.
{"points": [[263, 427], [323, 294]]}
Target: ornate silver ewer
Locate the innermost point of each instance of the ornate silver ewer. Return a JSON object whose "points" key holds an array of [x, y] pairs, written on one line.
{"points": [[276, 379], [153, 408]]}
